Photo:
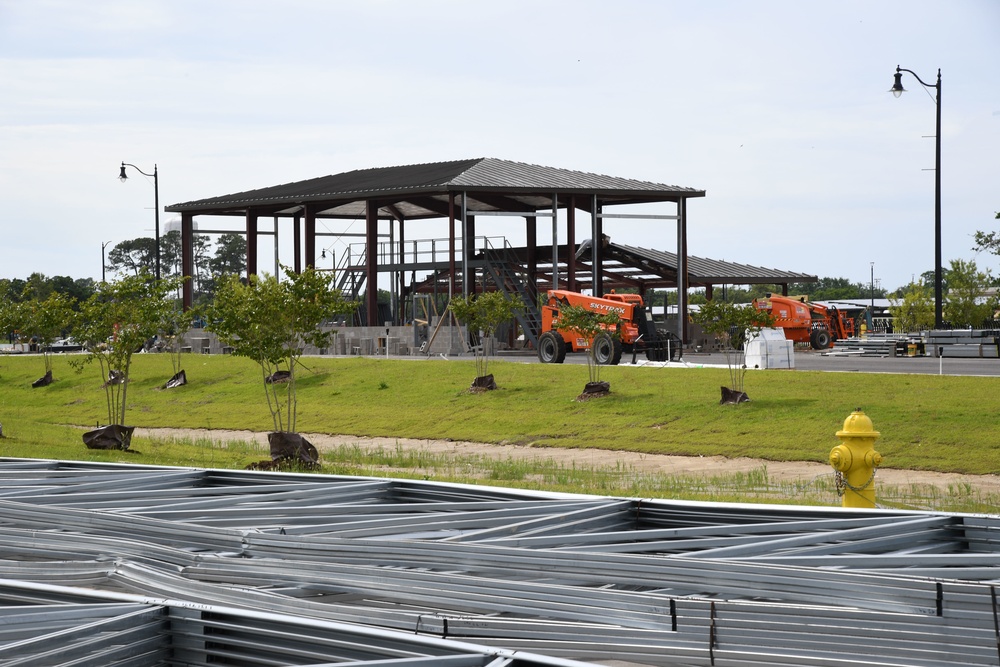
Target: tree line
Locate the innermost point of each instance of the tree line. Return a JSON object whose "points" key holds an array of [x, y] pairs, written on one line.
{"points": [[963, 283], [227, 257]]}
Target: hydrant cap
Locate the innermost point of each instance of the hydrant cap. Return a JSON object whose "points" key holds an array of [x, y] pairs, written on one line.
{"points": [[858, 425]]}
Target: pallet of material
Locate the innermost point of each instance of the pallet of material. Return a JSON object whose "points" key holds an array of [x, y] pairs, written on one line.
{"points": [[969, 351], [863, 347], [962, 337]]}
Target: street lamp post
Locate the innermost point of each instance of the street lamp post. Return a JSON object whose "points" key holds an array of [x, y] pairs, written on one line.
{"points": [[897, 90], [103, 274], [873, 289], [156, 203]]}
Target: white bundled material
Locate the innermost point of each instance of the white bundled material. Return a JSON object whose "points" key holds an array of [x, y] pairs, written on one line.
{"points": [[769, 349]]}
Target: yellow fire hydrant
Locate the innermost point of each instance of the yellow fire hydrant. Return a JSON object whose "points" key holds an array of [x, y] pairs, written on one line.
{"points": [[855, 461]]}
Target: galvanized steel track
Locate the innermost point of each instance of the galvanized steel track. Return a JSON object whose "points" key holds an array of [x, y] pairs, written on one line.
{"points": [[494, 576]]}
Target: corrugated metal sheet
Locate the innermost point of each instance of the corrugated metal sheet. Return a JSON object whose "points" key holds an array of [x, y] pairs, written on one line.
{"points": [[439, 178], [702, 270], [185, 567]]}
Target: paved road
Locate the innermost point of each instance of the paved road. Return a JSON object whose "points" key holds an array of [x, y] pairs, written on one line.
{"points": [[815, 361], [809, 360]]}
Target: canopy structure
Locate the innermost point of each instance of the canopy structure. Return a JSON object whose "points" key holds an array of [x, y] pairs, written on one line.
{"points": [[463, 192]]}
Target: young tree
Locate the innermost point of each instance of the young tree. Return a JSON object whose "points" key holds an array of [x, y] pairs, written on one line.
{"points": [[44, 322], [11, 320], [602, 332], [174, 326], [113, 325], [270, 322], [965, 306], [482, 315], [913, 311], [733, 325]]}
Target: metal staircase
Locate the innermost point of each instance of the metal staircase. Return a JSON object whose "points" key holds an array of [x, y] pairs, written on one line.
{"points": [[512, 281], [498, 264]]}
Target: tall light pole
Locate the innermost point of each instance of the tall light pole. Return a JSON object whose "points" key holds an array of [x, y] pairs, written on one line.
{"points": [[103, 275], [156, 203], [897, 90], [873, 289]]}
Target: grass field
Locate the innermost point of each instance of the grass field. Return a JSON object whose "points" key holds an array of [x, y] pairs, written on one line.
{"points": [[927, 422]]}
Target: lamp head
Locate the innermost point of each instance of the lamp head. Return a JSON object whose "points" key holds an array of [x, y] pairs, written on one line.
{"points": [[123, 176], [897, 87]]}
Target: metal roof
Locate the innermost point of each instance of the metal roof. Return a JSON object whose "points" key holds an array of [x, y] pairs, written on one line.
{"points": [[646, 264], [423, 190], [195, 567]]}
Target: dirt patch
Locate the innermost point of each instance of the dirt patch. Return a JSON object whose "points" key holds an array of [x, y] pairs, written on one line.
{"points": [[786, 471]]}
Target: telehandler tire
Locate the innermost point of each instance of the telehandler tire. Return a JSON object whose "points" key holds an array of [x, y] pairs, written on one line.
{"points": [[607, 349], [551, 348]]}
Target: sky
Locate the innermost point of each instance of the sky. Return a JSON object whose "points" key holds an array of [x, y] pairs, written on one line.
{"points": [[779, 110]]}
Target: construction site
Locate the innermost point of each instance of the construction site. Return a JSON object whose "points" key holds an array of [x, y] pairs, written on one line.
{"points": [[149, 566], [481, 204]]}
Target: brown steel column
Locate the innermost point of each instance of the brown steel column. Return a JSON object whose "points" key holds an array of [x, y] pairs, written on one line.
{"points": [[297, 243], [571, 245], [401, 276], [531, 233], [468, 252], [682, 271], [371, 262], [310, 233], [597, 248], [187, 259], [451, 245], [251, 242]]}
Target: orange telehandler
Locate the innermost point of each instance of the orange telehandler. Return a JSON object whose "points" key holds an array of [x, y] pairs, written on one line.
{"points": [[807, 322], [636, 330]]}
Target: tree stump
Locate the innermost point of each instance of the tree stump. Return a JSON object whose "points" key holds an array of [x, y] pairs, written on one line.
{"points": [[278, 377], [43, 381], [179, 378], [484, 382], [292, 447], [114, 377], [594, 390], [112, 436], [732, 397]]}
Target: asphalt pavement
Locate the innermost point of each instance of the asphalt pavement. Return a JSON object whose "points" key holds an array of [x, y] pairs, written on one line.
{"points": [[811, 360]]}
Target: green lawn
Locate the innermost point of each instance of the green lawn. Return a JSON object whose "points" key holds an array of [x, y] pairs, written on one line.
{"points": [[929, 422]]}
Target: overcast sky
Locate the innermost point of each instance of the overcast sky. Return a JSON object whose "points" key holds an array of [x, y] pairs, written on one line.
{"points": [[779, 110]]}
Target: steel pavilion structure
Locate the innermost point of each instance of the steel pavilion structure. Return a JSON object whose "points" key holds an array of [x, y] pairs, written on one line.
{"points": [[104, 564], [464, 192]]}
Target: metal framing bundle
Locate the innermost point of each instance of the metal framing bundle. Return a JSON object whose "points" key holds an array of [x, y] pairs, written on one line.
{"points": [[129, 565]]}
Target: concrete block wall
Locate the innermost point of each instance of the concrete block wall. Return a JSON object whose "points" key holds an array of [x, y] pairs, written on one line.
{"points": [[350, 341]]}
